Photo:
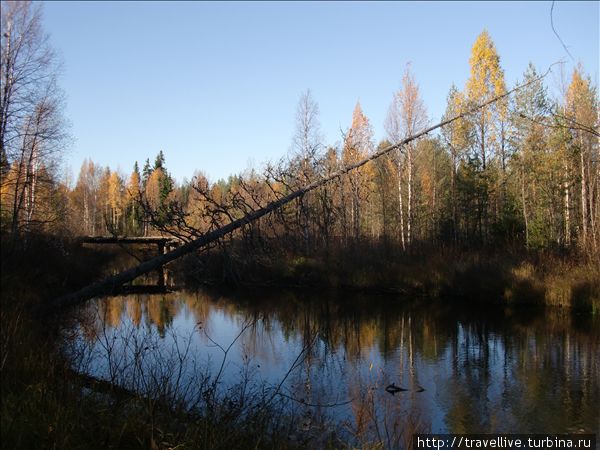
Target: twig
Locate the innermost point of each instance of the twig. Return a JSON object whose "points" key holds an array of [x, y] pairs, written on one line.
{"points": [[318, 405], [556, 34]]}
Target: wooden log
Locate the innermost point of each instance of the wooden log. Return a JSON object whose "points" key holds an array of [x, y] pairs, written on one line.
{"points": [[120, 394], [112, 283], [149, 240]]}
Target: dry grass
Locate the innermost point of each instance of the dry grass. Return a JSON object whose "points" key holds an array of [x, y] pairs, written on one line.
{"points": [[475, 276]]}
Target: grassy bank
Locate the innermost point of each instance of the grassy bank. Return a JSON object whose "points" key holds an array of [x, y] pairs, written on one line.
{"points": [[502, 276]]}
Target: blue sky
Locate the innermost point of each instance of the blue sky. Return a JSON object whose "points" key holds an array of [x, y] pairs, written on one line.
{"points": [[215, 85]]}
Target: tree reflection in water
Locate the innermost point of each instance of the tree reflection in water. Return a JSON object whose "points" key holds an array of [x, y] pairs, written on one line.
{"points": [[464, 369]]}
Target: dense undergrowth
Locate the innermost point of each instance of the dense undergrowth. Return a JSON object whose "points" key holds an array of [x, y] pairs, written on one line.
{"points": [[506, 276], [46, 405]]}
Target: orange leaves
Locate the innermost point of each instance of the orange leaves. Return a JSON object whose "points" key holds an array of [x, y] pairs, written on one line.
{"points": [[133, 187], [153, 188]]}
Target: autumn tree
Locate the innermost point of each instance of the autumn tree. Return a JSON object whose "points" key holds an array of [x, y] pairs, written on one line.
{"points": [[432, 165], [115, 202], [407, 115], [157, 199], [456, 137], [85, 201], [393, 128], [486, 82], [132, 194], [385, 191], [581, 117], [103, 195], [358, 143], [329, 199], [32, 129]]}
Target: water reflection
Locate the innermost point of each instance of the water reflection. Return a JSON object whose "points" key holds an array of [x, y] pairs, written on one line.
{"points": [[463, 370]]}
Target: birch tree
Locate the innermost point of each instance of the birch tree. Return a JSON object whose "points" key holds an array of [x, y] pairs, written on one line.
{"points": [[406, 116], [486, 82], [456, 137], [32, 129], [358, 143], [305, 157], [581, 116]]}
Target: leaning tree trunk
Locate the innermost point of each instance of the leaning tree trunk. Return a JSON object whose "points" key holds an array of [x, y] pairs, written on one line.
{"points": [[113, 283]]}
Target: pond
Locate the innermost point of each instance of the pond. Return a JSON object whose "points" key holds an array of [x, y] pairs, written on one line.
{"points": [[331, 356]]}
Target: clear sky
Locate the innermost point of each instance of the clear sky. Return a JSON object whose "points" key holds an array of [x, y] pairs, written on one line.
{"points": [[215, 85]]}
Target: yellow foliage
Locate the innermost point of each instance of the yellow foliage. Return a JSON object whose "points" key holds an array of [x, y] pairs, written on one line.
{"points": [[115, 187], [133, 187], [487, 77], [581, 100], [153, 188]]}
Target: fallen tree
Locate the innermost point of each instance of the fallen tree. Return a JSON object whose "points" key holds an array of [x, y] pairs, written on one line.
{"points": [[111, 284]]}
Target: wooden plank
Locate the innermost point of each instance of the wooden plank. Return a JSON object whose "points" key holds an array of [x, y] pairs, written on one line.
{"points": [[129, 240]]}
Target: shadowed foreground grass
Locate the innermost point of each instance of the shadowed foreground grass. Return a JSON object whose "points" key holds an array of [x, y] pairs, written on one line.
{"points": [[46, 405]]}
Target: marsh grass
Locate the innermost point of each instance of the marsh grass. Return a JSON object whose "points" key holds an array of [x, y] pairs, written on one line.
{"points": [[501, 276]]}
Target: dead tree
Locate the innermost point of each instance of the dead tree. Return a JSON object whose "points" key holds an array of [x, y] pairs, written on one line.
{"points": [[112, 283]]}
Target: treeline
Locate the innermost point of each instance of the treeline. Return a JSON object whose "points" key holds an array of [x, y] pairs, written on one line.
{"points": [[524, 171]]}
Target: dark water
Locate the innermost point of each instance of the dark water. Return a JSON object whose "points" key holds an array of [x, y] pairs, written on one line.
{"points": [[464, 370]]}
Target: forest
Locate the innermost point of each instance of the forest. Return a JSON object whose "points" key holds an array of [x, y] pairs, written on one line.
{"points": [[520, 176], [522, 172], [499, 207]]}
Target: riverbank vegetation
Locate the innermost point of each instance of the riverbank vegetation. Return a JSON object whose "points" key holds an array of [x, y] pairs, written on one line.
{"points": [[508, 277]]}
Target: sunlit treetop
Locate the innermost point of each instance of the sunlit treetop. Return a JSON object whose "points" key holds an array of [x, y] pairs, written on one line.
{"points": [[487, 77]]}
